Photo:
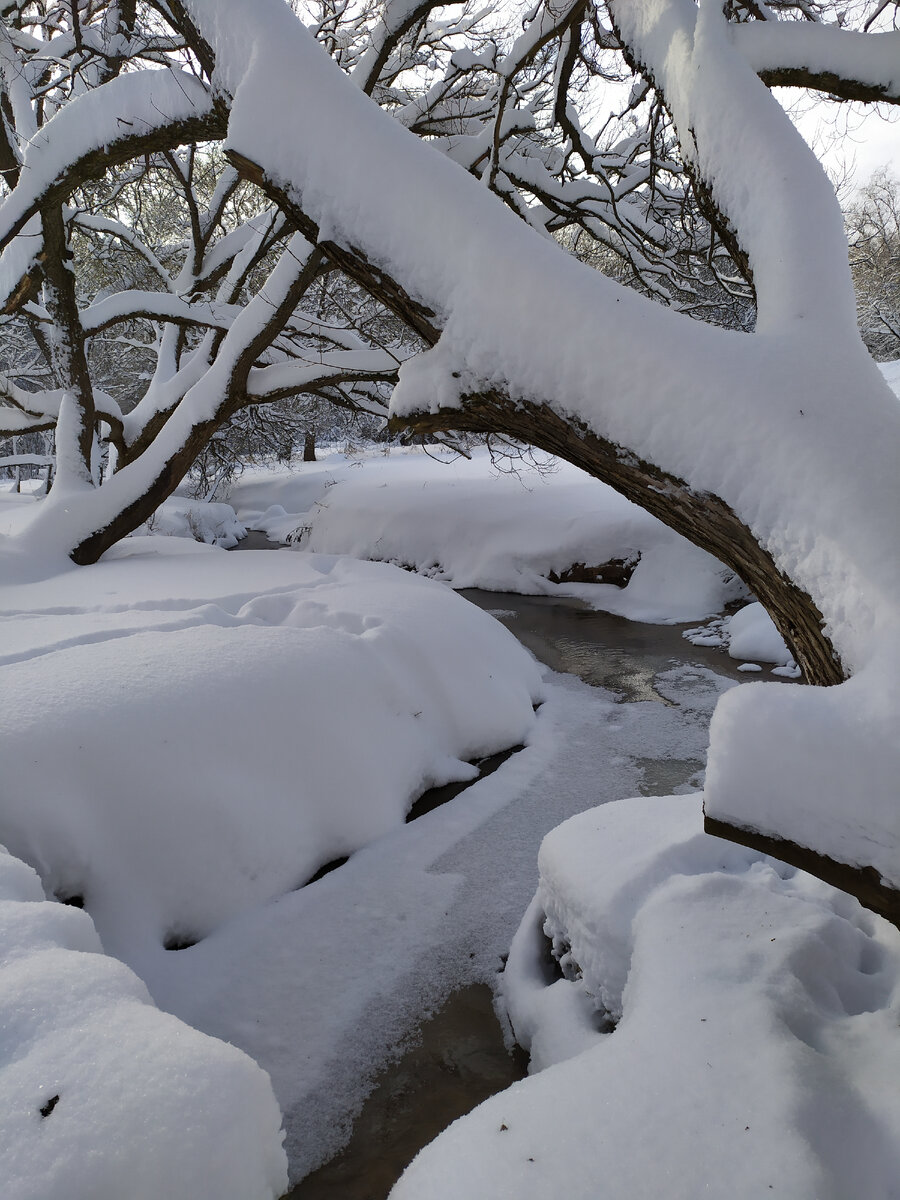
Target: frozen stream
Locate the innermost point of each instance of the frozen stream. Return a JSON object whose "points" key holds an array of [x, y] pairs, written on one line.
{"points": [[664, 689], [327, 987]]}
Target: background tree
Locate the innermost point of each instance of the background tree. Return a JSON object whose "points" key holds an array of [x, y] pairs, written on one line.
{"points": [[873, 223]]}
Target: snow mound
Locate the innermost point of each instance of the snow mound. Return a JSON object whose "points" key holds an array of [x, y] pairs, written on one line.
{"points": [[755, 1048], [170, 678], [750, 634], [101, 1094], [833, 753]]}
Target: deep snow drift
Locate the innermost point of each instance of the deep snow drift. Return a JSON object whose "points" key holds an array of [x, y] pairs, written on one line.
{"points": [[103, 1096], [250, 718]]}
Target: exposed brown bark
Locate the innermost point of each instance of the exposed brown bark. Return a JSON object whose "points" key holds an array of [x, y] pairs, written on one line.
{"points": [[309, 448], [831, 84], [173, 469], [68, 353], [202, 128], [706, 520], [128, 519], [864, 883]]}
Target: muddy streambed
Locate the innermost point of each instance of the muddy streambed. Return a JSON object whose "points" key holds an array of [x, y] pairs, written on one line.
{"points": [[458, 1057]]}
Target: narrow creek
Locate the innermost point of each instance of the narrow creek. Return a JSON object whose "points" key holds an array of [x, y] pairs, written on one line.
{"points": [[459, 1058]]}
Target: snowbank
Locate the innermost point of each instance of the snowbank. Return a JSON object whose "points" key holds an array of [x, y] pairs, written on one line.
{"points": [[223, 725], [101, 1094], [755, 1044], [472, 525]]}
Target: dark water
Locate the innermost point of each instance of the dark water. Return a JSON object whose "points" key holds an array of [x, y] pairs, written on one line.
{"points": [[459, 1061], [460, 1058]]}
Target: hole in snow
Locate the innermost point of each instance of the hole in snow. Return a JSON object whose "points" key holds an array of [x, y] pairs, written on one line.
{"points": [[76, 899], [47, 1109], [177, 939], [549, 961], [326, 869]]}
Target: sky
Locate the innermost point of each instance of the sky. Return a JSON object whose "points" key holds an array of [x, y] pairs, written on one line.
{"points": [[850, 137]]}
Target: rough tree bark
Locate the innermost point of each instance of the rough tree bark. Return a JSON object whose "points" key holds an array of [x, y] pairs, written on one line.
{"points": [[705, 520]]}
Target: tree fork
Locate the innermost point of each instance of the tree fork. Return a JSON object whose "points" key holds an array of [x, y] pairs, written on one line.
{"points": [[702, 518]]}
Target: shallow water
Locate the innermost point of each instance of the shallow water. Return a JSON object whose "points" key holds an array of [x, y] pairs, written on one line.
{"points": [[602, 649], [458, 1060]]}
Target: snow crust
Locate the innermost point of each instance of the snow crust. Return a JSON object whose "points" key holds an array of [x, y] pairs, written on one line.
{"points": [[101, 1094], [472, 525], [755, 1048]]}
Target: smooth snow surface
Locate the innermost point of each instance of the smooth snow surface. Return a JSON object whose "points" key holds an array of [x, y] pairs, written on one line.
{"points": [[756, 1047]]}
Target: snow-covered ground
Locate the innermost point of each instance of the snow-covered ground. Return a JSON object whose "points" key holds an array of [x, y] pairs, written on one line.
{"points": [[188, 735]]}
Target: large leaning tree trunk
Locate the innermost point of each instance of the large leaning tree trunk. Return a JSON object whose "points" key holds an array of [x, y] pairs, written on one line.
{"points": [[774, 449]]}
